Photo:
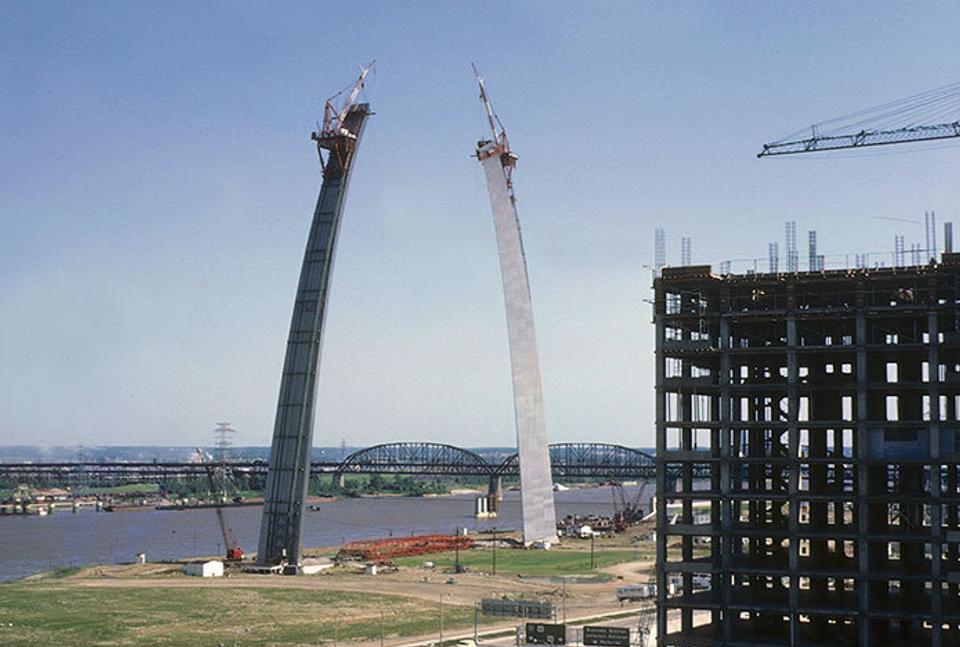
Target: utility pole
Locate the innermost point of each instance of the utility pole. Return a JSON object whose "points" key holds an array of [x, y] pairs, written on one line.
{"points": [[494, 531], [336, 627], [456, 566], [592, 536], [440, 644], [564, 599]]}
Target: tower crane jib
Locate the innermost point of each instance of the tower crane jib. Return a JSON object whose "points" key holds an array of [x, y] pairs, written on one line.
{"points": [[914, 119]]}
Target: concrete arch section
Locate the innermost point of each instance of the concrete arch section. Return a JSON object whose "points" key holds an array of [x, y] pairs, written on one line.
{"points": [[536, 484], [285, 497]]}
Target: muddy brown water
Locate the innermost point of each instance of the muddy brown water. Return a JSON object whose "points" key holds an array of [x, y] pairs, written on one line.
{"points": [[30, 544]]}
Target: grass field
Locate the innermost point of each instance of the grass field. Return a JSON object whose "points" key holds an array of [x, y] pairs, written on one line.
{"points": [[45, 613], [524, 562]]}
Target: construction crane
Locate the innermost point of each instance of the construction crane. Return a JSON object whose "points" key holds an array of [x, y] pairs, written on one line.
{"points": [[875, 126], [234, 552], [334, 135], [507, 157], [626, 511]]}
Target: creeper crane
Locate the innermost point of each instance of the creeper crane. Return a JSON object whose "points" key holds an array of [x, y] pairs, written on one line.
{"points": [[507, 157], [335, 135]]}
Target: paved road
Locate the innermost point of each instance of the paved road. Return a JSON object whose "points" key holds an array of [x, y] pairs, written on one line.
{"points": [[493, 638]]}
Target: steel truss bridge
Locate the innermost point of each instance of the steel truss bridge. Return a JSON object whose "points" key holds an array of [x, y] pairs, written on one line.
{"points": [[568, 460]]}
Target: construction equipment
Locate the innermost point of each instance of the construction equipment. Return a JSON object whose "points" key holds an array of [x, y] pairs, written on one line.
{"points": [[335, 136], [626, 511], [507, 157], [234, 552], [873, 127]]}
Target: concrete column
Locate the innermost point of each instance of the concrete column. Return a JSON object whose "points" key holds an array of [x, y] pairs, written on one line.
{"points": [[863, 492], [726, 522], [793, 476], [495, 488], [936, 521], [662, 483]]}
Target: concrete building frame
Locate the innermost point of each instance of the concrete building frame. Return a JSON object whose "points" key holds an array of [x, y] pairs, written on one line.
{"points": [[824, 408]]}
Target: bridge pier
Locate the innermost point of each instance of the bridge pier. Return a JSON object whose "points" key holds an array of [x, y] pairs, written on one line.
{"points": [[338, 480], [495, 489], [494, 494]]}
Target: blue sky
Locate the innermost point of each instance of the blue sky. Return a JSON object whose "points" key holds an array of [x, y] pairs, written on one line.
{"points": [[157, 182]]}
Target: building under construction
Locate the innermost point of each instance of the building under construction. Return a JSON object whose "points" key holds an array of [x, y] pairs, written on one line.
{"points": [[807, 457]]}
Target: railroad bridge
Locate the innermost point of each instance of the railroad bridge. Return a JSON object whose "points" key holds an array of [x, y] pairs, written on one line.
{"points": [[568, 460]]}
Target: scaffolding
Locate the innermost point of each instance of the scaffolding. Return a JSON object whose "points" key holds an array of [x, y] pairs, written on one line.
{"points": [[824, 407]]}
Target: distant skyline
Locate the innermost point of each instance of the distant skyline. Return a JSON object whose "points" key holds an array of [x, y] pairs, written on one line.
{"points": [[158, 180]]}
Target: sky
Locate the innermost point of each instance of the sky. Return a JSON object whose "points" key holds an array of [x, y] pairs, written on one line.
{"points": [[157, 182]]}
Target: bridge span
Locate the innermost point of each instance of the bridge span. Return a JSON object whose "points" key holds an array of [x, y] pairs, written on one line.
{"points": [[568, 460]]}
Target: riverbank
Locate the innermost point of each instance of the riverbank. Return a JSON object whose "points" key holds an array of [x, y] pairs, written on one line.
{"points": [[31, 544]]}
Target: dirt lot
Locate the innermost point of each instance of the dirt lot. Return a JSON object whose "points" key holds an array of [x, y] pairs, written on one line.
{"points": [[156, 604], [422, 583]]}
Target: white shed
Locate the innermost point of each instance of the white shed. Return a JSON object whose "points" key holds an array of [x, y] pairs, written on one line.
{"points": [[212, 568]]}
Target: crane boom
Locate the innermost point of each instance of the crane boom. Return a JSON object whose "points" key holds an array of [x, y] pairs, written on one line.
{"points": [[333, 118], [502, 148], [233, 549], [497, 137], [862, 139]]}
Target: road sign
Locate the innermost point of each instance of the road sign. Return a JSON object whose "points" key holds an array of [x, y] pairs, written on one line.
{"points": [[606, 636], [517, 609], [542, 634]]}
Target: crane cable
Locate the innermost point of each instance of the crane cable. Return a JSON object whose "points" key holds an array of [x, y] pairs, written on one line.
{"points": [[927, 107]]}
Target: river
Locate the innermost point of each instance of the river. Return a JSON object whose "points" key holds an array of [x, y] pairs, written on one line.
{"points": [[29, 544]]}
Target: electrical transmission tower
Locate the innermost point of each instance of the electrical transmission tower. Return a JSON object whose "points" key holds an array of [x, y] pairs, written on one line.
{"points": [[222, 441]]}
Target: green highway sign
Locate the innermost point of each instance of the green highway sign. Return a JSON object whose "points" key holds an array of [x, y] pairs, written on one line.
{"points": [[606, 636], [543, 634], [517, 609]]}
